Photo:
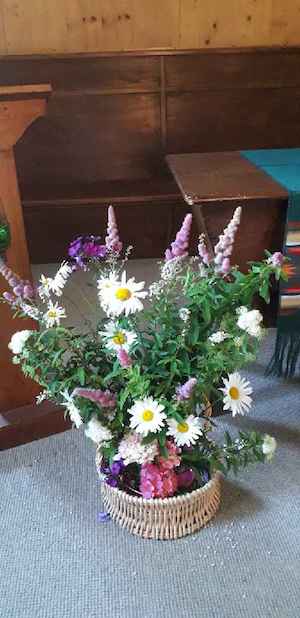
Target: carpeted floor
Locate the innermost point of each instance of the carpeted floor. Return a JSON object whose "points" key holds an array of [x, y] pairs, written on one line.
{"points": [[57, 561]]}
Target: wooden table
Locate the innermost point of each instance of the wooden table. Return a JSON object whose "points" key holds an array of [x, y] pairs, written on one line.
{"points": [[215, 183]]}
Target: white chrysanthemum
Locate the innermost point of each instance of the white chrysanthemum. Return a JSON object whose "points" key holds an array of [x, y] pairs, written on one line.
{"points": [[250, 321], [218, 337], [269, 447], [147, 416], [185, 433], [54, 314], [123, 297], [117, 337], [42, 396], [58, 283], [131, 450], [237, 393], [73, 410], [18, 340], [184, 314], [97, 432]]}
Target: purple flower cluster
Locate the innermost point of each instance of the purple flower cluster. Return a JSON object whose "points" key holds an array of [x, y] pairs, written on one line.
{"points": [[185, 391], [224, 247], [276, 259], [112, 240], [85, 248], [113, 472], [105, 399], [124, 359], [179, 248], [21, 290]]}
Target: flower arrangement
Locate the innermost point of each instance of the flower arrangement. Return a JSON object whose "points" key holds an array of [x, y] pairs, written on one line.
{"points": [[142, 379]]}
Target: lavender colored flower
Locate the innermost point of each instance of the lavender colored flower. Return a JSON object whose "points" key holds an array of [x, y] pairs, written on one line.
{"points": [[276, 259], [185, 391], [21, 289], [106, 399], [117, 467], [179, 248], [103, 517], [224, 247], [111, 481], [124, 359], [112, 240]]}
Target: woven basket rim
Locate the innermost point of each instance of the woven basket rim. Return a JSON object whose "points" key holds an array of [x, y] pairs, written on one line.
{"points": [[171, 501]]}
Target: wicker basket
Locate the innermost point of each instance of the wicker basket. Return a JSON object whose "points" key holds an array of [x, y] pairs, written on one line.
{"points": [[168, 518]]}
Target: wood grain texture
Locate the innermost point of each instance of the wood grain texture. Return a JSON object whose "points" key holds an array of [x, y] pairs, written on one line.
{"points": [[235, 23], [285, 22], [3, 43], [76, 26]]}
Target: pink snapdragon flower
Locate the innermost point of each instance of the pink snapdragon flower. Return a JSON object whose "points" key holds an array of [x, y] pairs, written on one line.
{"points": [[112, 239], [105, 399], [224, 247], [185, 391], [173, 460], [124, 358], [203, 251], [156, 482], [179, 248]]}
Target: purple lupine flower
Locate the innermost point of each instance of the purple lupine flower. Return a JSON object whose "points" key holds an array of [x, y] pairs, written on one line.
{"points": [[276, 259], [105, 399], [179, 248], [203, 251], [112, 239], [185, 391], [224, 247], [103, 517], [124, 359], [111, 481]]}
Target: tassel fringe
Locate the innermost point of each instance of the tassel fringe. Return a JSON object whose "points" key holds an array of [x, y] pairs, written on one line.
{"points": [[286, 355]]}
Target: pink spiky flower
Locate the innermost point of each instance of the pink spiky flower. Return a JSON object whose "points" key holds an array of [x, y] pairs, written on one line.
{"points": [[22, 290], [224, 247], [105, 399], [112, 240], [179, 248], [124, 359], [185, 391]]}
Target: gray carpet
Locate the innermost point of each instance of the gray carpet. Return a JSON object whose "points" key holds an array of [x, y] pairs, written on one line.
{"points": [[57, 561]]}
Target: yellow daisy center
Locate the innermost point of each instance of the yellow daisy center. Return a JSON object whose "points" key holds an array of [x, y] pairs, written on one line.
{"points": [[123, 294], [119, 338], [234, 392], [52, 313], [147, 415], [182, 427]]}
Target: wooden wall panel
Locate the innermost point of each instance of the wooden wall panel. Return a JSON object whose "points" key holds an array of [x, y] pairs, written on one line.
{"points": [[3, 45], [211, 23], [88, 138], [52, 26], [285, 22], [236, 119]]}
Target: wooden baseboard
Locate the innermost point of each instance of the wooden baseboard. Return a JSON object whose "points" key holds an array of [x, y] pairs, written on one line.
{"points": [[29, 423]]}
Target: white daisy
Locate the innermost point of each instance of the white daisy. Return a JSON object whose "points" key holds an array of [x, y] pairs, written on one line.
{"points": [[250, 321], [117, 337], [123, 297], [269, 446], [106, 283], [54, 314], [44, 289], [184, 314], [97, 432], [185, 433], [18, 340], [237, 393], [73, 411], [147, 416], [218, 337]]}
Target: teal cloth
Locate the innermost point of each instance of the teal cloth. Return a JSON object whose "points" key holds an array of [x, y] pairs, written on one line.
{"points": [[284, 166]]}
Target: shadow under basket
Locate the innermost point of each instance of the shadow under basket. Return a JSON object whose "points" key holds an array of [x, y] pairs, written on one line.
{"points": [[167, 518]]}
